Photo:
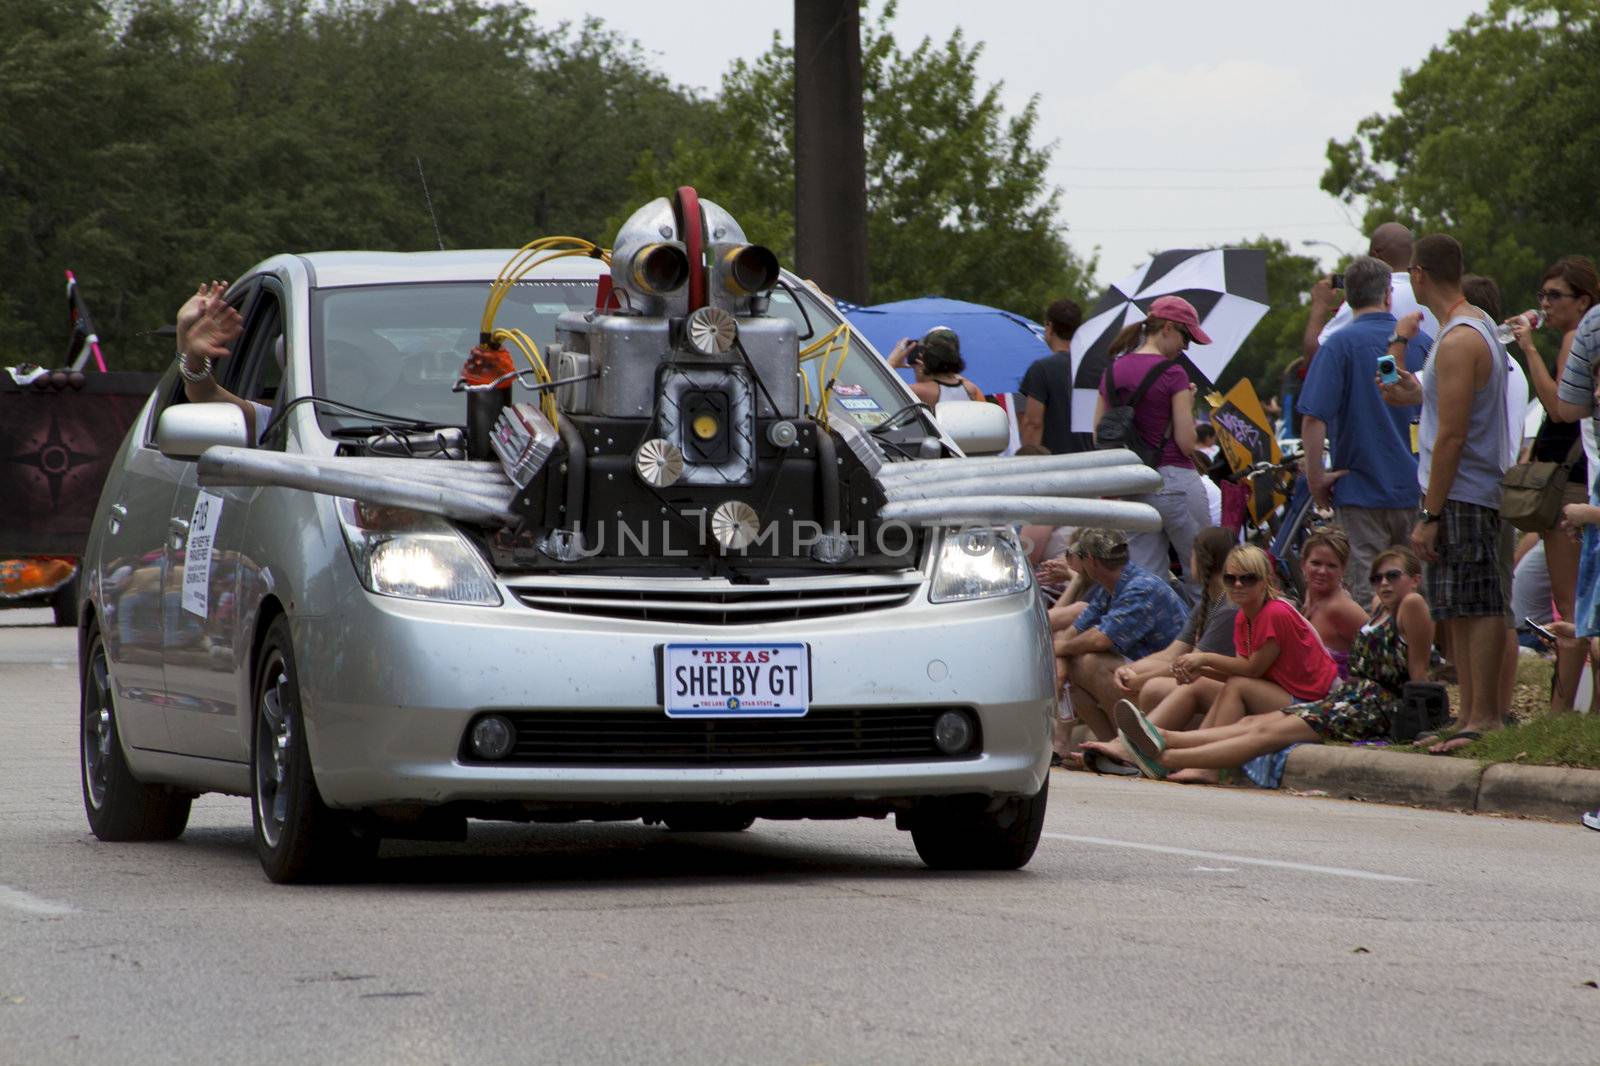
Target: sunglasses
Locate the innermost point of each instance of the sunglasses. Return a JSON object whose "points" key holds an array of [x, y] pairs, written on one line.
{"points": [[1244, 581], [1552, 295], [1380, 577], [1188, 338]]}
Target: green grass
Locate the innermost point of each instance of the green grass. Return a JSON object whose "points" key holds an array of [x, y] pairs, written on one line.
{"points": [[1545, 740]]}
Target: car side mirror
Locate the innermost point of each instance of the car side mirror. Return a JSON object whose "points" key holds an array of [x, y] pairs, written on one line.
{"points": [[976, 428], [187, 429]]}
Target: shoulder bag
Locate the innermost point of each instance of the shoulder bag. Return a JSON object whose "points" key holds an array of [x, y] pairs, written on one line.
{"points": [[1531, 494]]}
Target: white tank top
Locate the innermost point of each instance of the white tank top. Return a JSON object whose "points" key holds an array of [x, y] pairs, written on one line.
{"points": [[948, 393]]}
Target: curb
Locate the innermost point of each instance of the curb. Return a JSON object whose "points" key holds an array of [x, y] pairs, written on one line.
{"points": [[1452, 784]]}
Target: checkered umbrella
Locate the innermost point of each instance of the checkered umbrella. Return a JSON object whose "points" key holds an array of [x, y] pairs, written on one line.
{"points": [[1227, 286]]}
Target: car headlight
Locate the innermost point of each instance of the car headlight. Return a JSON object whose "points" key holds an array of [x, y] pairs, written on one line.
{"points": [[414, 556], [975, 564]]}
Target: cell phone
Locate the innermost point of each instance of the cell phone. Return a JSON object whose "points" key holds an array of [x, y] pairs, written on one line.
{"points": [[1544, 634], [1338, 281], [1388, 373]]}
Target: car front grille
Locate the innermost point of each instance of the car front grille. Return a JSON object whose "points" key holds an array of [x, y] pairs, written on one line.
{"points": [[722, 604], [649, 738]]}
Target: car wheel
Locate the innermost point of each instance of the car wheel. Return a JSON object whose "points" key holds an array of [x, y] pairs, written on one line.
{"points": [[298, 837], [64, 602], [119, 805], [708, 822], [958, 835]]}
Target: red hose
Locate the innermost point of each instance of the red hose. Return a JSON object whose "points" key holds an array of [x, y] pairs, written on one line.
{"points": [[691, 226]]}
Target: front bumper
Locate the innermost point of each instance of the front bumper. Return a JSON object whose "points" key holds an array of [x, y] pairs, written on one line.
{"points": [[390, 686]]}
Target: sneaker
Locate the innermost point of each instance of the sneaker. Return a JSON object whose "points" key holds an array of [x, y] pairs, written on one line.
{"points": [[1591, 818], [1127, 715], [1143, 741]]}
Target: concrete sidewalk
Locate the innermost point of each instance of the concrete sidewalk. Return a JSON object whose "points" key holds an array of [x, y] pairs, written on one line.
{"points": [[1442, 782]]}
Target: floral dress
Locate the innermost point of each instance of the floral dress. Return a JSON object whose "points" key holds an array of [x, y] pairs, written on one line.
{"points": [[1361, 707]]}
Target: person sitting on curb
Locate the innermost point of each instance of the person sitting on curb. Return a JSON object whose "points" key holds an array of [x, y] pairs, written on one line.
{"points": [[1151, 681], [1394, 649], [1280, 659], [1129, 614], [1329, 607]]}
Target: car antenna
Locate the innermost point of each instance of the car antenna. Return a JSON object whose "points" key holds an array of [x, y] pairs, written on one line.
{"points": [[423, 178]]}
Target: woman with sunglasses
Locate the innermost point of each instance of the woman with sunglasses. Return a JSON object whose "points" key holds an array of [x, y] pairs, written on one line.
{"points": [[1279, 660], [1396, 647], [1566, 293], [1164, 419]]}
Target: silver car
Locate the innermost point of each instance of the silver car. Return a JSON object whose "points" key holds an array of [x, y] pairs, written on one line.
{"points": [[363, 671]]}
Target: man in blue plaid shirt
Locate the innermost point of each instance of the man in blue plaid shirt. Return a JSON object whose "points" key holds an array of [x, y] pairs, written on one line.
{"points": [[1130, 613]]}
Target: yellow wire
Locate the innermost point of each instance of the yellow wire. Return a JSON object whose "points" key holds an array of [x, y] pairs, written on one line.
{"points": [[529, 257], [836, 340], [541, 372]]}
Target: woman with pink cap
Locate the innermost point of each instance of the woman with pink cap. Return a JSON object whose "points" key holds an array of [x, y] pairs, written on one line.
{"points": [[1145, 355]]}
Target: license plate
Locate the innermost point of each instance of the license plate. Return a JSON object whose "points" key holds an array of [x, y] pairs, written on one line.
{"points": [[736, 680]]}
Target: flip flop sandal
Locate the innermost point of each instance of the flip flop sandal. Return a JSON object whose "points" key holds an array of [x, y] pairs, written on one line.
{"points": [[1469, 735], [1105, 764]]}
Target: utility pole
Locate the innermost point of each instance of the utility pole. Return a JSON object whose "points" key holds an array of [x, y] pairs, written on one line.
{"points": [[830, 156]]}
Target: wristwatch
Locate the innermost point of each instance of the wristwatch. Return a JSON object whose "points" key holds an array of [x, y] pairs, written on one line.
{"points": [[1427, 517], [1395, 338]]}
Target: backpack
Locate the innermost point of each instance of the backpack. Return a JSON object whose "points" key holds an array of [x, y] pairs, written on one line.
{"points": [[1117, 427]]}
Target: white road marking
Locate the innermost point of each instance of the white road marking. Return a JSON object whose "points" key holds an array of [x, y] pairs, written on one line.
{"points": [[28, 903], [1279, 864], [1216, 869]]}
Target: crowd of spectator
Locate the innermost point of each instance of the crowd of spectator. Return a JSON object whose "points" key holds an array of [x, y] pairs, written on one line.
{"points": [[1187, 651]]}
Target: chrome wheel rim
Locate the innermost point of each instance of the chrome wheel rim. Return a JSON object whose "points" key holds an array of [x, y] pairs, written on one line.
{"points": [[99, 731], [274, 748]]}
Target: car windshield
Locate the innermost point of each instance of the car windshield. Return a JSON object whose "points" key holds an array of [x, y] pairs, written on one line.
{"points": [[863, 385], [398, 349]]}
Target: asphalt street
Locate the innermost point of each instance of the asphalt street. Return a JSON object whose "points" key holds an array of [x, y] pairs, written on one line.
{"points": [[1157, 923]]}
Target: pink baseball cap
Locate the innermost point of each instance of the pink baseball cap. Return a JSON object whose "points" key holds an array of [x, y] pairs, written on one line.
{"points": [[1177, 309]]}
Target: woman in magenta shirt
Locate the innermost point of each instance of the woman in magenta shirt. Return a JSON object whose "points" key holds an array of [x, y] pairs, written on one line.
{"points": [[1164, 420], [1280, 660]]}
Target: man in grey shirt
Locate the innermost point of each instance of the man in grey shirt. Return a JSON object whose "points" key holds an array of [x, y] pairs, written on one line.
{"points": [[1463, 443]]}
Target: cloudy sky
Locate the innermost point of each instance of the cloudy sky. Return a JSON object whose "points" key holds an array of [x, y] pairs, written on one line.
{"points": [[1176, 124]]}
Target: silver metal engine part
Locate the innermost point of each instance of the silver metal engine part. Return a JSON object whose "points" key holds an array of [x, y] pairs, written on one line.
{"points": [[735, 525], [482, 505], [1007, 510], [711, 331], [659, 463], [524, 439]]}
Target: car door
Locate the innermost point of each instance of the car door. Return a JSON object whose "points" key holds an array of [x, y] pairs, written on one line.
{"points": [[201, 648], [133, 562]]}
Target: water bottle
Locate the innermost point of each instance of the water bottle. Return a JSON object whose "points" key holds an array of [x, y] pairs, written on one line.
{"points": [[1503, 330]]}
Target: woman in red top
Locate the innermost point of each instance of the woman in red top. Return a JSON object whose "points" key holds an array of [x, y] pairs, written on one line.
{"points": [[1280, 661]]}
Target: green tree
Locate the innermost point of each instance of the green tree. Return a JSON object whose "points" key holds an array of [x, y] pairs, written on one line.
{"points": [[1275, 342], [151, 143], [1495, 139], [957, 200]]}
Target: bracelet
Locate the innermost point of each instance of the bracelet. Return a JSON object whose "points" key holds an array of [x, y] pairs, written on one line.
{"points": [[189, 375]]}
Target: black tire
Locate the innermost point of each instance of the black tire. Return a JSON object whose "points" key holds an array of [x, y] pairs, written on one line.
{"points": [[709, 822], [119, 806], [960, 835], [299, 839], [64, 602]]}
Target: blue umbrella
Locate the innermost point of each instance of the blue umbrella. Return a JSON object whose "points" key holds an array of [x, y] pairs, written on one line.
{"points": [[997, 345]]}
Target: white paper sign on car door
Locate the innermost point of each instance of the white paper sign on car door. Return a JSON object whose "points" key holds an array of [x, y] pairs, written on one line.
{"points": [[197, 559]]}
